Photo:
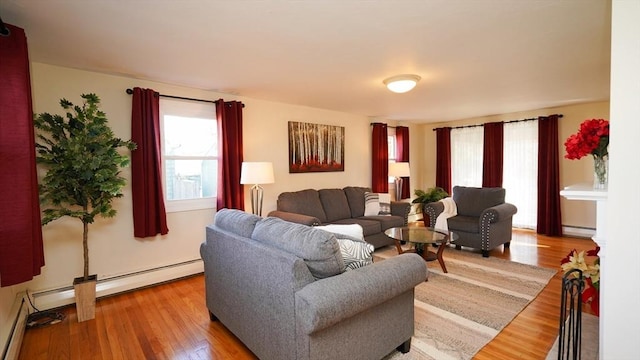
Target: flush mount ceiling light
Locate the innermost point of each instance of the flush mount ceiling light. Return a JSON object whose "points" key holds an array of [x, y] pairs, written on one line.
{"points": [[401, 83]]}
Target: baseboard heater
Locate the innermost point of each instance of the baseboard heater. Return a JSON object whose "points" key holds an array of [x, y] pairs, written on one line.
{"points": [[55, 298], [577, 231], [18, 320]]}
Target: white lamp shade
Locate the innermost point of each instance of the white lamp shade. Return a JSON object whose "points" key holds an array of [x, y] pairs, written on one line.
{"points": [[401, 83], [256, 173], [399, 169]]}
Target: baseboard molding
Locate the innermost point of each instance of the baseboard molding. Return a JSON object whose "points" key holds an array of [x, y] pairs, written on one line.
{"points": [[55, 298], [577, 231], [18, 320]]}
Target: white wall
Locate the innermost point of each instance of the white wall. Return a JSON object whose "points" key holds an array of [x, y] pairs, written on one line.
{"points": [[619, 302], [113, 249]]}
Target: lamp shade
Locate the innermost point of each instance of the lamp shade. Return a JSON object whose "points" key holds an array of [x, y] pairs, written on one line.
{"points": [[401, 83], [256, 173], [399, 169]]}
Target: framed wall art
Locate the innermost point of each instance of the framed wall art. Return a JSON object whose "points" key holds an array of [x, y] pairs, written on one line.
{"points": [[315, 147]]}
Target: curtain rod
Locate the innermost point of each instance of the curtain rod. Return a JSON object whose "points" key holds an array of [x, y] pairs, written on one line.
{"points": [[130, 91], [4, 30], [371, 124], [506, 122]]}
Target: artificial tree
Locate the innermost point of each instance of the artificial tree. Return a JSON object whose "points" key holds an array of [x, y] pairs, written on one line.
{"points": [[81, 156]]}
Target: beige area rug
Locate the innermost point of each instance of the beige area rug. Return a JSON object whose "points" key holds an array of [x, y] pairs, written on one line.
{"points": [[459, 312]]}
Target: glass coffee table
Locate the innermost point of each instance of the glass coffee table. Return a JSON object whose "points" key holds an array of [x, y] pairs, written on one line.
{"points": [[421, 238]]}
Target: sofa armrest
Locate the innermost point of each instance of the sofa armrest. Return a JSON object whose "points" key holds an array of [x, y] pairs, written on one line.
{"points": [[402, 209], [296, 218], [328, 301], [434, 209], [499, 212]]}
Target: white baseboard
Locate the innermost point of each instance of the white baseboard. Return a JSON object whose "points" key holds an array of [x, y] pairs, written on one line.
{"points": [[64, 296], [580, 232], [18, 323]]}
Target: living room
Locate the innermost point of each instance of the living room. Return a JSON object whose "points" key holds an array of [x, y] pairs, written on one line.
{"points": [[116, 252]]}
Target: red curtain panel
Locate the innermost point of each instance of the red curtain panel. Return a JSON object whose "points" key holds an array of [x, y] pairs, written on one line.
{"points": [[379, 159], [443, 158], [230, 191], [549, 215], [492, 155], [402, 155], [21, 250], [149, 214]]}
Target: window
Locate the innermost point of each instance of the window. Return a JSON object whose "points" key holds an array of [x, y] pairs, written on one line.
{"points": [[391, 144], [520, 165], [189, 154], [466, 156]]}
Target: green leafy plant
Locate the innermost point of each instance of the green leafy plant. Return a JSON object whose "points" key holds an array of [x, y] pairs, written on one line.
{"points": [[430, 195], [82, 162]]}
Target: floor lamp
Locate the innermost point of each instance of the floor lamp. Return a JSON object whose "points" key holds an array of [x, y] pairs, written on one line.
{"points": [[256, 173], [398, 170]]}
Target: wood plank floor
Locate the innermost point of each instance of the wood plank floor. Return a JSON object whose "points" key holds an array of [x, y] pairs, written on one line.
{"points": [[170, 321]]}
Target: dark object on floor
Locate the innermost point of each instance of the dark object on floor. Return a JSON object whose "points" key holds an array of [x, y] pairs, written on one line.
{"points": [[571, 306], [44, 318]]}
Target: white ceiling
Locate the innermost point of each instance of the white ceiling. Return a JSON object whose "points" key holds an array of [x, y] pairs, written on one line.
{"points": [[475, 57]]}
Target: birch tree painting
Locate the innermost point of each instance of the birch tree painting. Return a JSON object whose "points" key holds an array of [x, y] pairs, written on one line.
{"points": [[315, 147]]}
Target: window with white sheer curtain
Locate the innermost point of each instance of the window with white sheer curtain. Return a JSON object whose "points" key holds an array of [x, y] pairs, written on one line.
{"points": [[466, 156], [520, 165], [520, 171]]}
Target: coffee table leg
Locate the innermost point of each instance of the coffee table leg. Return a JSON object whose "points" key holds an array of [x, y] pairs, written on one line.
{"points": [[440, 259]]}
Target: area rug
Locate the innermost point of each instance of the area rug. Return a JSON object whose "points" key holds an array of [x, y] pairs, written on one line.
{"points": [[458, 313]]}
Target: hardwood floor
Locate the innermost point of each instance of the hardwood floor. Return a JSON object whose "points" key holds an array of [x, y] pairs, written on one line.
{"points": [[170, 321]]}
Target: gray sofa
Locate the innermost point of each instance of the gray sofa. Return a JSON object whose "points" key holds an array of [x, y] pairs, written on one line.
{"points": [[282, 290], [340, 206], [484, 219]]}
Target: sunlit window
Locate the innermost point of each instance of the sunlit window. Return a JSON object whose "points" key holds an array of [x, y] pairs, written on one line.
{"points": [[190, 154]]}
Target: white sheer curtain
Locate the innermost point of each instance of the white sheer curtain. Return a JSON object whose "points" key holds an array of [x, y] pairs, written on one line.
{"points": [[520, 174], [466, 156]]}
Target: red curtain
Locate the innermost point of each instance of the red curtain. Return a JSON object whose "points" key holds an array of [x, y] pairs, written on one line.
{"points": [[549, 215], [379, 159], [443, 158], [149, 215], [492, 154], [230, 191], [402, 155], [21, 250]]}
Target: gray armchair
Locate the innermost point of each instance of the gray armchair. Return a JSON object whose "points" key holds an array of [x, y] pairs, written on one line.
{"points": [[483, 220]]}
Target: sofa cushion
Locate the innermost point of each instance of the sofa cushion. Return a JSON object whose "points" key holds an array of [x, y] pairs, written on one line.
{"points": [[471, 201], [470, 224], [355, 197], [319, 249], [306, 202], [377, 204], [351, 230], [387, 221], [335, 204], [236, 221]]}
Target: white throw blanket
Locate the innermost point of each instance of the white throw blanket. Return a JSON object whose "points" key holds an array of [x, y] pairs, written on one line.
{"points": [[450, 210]]}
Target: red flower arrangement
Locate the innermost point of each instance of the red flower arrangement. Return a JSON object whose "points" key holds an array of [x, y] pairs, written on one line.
{"points": [[592, 138], [591, 274]]}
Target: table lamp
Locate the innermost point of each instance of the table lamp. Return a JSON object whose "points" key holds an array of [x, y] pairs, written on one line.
{"points": [[256, 173], [399, 170]]}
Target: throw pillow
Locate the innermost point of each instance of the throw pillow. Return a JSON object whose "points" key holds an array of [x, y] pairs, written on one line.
{"points": [[356, 252], [377, 204]]}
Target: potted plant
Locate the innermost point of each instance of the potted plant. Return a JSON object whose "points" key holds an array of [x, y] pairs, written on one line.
{"points": [[80, 155], [424, 197]]}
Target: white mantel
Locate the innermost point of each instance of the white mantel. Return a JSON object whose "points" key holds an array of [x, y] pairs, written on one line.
{"points": [[588, 193], [585, 191]]}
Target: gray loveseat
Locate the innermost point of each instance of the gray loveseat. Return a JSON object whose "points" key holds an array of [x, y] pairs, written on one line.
{"points": [[341, 206], [282, 290]]}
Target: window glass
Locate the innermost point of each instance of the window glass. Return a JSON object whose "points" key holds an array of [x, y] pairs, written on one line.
{"points": [[190, 154]]}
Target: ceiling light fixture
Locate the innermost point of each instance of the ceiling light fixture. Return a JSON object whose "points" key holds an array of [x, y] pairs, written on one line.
{"points": [[401, 83]]}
